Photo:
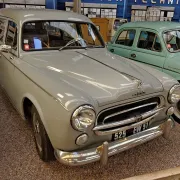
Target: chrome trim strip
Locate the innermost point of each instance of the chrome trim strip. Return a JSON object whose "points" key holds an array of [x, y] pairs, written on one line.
{"points": [[107, 149], [126, 121], [103, 133], [127, 110]]}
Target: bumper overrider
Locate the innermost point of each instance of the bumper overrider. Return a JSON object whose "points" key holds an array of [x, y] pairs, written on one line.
{"points": [[101, 153]]}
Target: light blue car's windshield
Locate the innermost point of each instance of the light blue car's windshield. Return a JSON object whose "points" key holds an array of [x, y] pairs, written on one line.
{"points": [[44, 35], [172, 40]]}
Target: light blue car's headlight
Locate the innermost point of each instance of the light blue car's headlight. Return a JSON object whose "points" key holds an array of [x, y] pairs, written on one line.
{"points": [[174, 94], [83, 118]]}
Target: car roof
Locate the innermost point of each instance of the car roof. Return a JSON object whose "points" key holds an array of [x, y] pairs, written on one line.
{"points": [[159, 26], [42, 14]]}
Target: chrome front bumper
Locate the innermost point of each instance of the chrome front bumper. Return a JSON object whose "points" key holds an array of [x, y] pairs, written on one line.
{"points": [[108, 149]]}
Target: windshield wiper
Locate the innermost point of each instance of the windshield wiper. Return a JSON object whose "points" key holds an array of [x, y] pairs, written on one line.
{"points": [[69, 43], [94, 46]]}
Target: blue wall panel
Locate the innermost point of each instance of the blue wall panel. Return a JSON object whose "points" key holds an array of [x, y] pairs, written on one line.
{"points": [[61, 6], [123, 6], [51, 4]]}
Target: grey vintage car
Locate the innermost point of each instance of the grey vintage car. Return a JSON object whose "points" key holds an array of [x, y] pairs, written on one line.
{"points": [[84, 103]]}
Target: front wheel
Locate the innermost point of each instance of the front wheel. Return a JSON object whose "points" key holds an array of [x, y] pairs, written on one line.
{"points": [[43, 144], [176, 115]]}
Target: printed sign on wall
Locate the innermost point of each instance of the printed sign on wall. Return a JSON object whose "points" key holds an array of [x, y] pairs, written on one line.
{"points": [[157, 1]]}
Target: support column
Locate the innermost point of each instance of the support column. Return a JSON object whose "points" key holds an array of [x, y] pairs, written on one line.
{"points": [[77, 6], [125, 9]]}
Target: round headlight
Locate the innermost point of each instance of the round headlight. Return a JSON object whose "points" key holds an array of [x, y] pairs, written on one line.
{"points": [[83, 117], [174, 94]]}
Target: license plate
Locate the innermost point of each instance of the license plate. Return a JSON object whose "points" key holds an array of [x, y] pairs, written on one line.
{"points": [[129, 132]]}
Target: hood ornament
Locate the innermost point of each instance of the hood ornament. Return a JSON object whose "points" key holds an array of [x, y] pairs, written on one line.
{"points": [[140, 91], [139, 83]]}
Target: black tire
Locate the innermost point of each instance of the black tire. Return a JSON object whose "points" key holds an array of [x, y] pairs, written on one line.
{"points": [[176, 115], [176, 118], [44, 146]]}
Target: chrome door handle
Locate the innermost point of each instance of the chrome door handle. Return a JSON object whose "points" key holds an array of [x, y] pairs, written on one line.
{"points": [[112, 50], [0, 55], [133, 55], [11, 57]]}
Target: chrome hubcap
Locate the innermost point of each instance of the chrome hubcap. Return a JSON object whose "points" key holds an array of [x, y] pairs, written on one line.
{"points": [[36, 127]]}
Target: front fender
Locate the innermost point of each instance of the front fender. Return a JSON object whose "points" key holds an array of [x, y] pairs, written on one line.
{"points": [[35, 103]]}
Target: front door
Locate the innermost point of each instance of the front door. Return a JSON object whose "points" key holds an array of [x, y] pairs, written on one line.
{"points": [[7, 59], [123, 44], [3, 26], [149, 50]]}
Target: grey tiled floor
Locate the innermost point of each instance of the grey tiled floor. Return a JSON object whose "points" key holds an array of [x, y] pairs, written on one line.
{"points": [[19, 160]]}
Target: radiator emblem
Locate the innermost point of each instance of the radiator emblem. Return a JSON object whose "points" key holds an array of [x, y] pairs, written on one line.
{"points": [[138, 118]]}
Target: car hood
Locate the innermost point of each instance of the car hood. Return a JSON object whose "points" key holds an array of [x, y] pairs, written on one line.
{"points": [[105, 77]]}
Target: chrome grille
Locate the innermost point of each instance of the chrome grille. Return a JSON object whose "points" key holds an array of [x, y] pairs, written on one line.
{"points": [[127, 116]]}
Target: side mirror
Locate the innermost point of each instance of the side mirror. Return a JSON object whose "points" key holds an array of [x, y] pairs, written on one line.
{"points": [[5, 48]]}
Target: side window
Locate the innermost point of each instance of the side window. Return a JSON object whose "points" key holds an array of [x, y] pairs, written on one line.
{"points": [[11, 37], [2, 29], [149, 40], [126, 38]]}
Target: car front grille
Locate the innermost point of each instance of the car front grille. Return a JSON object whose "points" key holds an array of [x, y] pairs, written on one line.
{"points": [[127, 116]]}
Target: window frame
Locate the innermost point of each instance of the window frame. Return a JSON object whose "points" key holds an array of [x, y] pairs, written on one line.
{"points": [[14, 52], [120, 32], [7, 19], [15, 36], [5, 29], [156, 36], [80, 22], [175, 29]]}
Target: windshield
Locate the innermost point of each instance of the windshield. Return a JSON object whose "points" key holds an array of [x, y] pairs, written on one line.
{"points": [[172, 40], [45, 35]]}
